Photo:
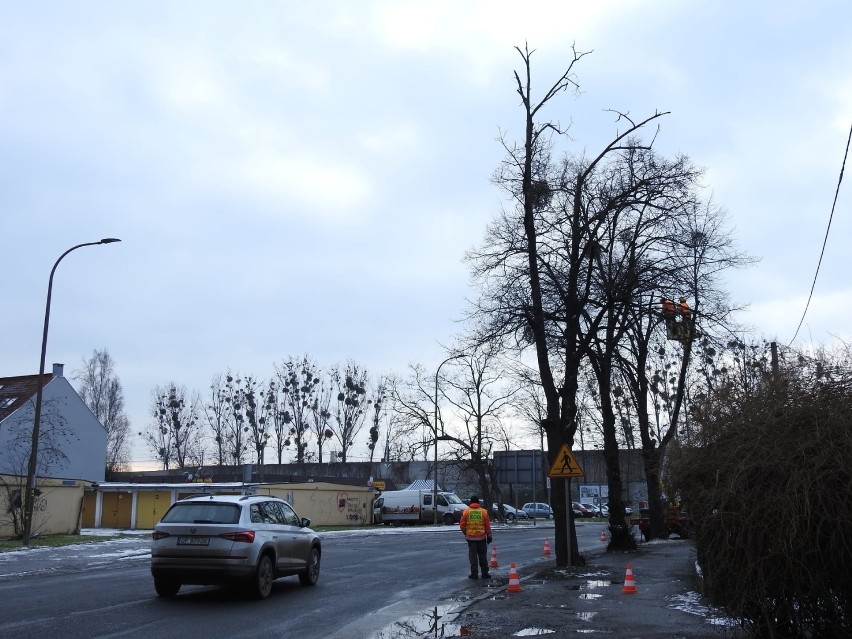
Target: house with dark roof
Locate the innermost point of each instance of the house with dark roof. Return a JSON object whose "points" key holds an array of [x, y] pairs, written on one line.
{"points": [[72, 442]]}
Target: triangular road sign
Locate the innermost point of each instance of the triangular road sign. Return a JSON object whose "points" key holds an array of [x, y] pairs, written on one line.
{"points": [[565, 465]]}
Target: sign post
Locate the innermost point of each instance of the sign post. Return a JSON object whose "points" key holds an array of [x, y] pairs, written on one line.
{"points": [[565, 467]]}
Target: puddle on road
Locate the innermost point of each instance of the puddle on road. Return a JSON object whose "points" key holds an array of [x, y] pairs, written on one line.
{"points": [[533, 632], [594, 583], [438, 621]]}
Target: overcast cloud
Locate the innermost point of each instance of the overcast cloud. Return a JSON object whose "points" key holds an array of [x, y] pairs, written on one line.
{"points": [[292, 178]]}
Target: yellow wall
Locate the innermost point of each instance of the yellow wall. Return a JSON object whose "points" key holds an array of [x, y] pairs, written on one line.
{"points": [[55, 512], [324, 504], [327, 504]]}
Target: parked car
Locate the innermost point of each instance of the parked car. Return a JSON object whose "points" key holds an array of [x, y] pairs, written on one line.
{"points": [[224, 539], [597, 510], [538, 509], [580, 510], [510, 511]]}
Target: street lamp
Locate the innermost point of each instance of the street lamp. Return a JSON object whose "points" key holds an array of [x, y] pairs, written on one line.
{"points": [[29, 496], [435, 482]]}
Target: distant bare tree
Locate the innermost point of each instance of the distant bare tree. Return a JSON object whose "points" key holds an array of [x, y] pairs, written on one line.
{"points": [[298, 383], [352, 404], [217, 414], [481, 394], [257, 404], [101, 390], [321, 413], [236, 430], [412, 406], [379, 409], [174, 434]]}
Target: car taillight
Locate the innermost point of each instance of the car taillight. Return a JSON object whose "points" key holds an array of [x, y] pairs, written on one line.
{"points": [[159, 534], [246, 536]]}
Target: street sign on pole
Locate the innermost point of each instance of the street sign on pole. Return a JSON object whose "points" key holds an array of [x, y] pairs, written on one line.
{"points": [[565, 465]]}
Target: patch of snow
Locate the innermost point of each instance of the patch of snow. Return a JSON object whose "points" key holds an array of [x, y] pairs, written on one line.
{"points": [[691, 603], [106, 532]]}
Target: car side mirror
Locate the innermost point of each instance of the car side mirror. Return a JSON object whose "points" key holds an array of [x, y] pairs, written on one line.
{"points": [[306, 522]]}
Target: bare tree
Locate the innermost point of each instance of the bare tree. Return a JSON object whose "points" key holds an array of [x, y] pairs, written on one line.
{"points": [[101, 390], [236, 429], [299, 381], [412, 406], [698, 249], [632, 200], [256, 402], [174, 435], [379, 409], [321, 413], [279, 423], [352, 404], [536, 284], [481, 398], [217, 413]]}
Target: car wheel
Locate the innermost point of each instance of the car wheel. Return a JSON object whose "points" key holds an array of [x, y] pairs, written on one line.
{"points": [[448, 519], [263, 577], [166, 587], [510, 516], [311, 575]]}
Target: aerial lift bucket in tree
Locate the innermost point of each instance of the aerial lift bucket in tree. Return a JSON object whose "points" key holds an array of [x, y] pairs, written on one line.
{"points": [[678, 325]]}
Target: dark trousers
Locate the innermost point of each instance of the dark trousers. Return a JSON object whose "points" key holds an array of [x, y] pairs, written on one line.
{"points": [[477, 554]]}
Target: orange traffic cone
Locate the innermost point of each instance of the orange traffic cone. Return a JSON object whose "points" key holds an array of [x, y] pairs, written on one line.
{"points": [[546, 548], [629, 584], [514, 581], [603, 534], [493, 563]]}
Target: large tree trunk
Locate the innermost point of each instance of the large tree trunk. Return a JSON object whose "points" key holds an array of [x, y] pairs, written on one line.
{"points": [[651, 458]]}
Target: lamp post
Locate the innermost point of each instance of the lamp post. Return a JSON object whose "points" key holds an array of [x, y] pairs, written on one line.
{"points": [[29, 496], [435, 482]]}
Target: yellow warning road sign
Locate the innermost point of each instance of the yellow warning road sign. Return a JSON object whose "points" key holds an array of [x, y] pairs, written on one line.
{"points": [[565, 465]]}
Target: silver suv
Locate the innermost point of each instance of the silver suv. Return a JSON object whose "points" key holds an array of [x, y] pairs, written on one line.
{"points": [[222, 539]]}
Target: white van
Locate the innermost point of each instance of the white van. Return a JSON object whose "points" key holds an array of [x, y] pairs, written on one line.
{"points": [[395, 507]]}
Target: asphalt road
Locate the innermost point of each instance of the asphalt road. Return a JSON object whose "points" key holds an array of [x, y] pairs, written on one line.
{"points": [[368, 581]]}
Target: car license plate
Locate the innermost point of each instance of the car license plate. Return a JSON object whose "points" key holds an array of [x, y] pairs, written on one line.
{"points": [[193, 541]]}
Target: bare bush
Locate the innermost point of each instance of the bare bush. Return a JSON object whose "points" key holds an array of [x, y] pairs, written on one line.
{"points": [[769, 486]]}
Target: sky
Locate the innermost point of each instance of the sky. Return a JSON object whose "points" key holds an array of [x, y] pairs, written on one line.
{"points": [[292, 178]]}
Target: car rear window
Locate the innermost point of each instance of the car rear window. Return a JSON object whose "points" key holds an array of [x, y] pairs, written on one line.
{"points": [[202, 513]]}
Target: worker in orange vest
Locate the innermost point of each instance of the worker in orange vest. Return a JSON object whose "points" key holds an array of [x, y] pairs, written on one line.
{"points": [[684, 309], [668, 307], [476, 527]]}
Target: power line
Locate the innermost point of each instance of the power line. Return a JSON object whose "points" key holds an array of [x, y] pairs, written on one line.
{"points": [[825, 240]]}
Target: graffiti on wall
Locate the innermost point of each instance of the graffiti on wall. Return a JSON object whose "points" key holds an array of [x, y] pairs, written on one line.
{"points": [[352, 507]]}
